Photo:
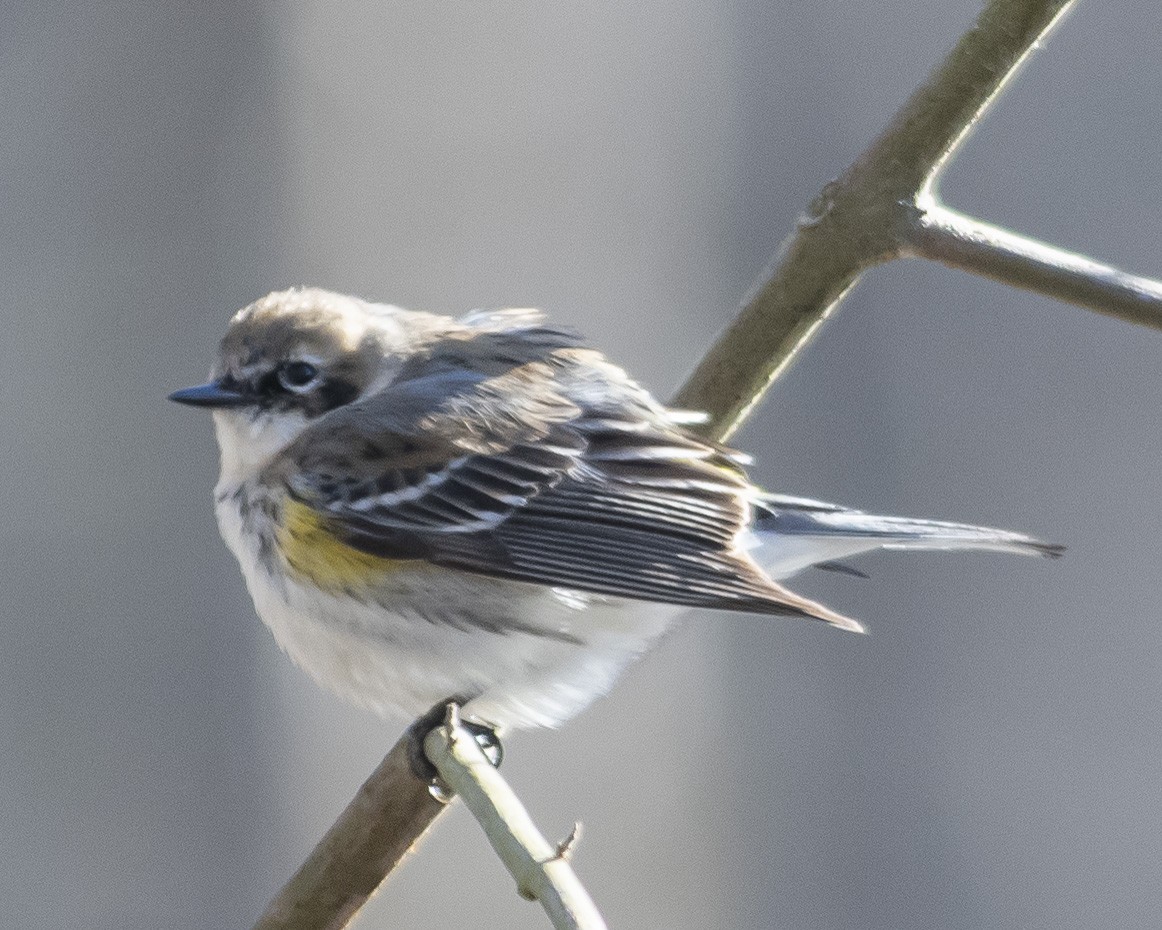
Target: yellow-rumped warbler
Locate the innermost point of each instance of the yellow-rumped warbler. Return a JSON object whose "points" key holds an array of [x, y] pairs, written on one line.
{"points": [[484, 507]]}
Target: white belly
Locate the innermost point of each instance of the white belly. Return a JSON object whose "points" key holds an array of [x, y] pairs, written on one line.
{"points": [[520, 654]]}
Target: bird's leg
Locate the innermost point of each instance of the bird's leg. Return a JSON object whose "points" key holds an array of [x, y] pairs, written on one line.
{"points": [[422, 768]]}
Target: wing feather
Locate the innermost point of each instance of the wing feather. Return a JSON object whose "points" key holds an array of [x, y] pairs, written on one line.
{"points": [[604, 501]]}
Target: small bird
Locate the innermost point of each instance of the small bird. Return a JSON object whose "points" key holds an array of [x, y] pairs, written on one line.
{"points": [[486, 507]]}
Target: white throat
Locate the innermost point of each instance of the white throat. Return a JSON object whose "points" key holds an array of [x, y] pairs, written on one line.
{"points": [[248, 443]]}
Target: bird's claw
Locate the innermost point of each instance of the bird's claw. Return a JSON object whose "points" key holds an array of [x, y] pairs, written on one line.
{"points": [[421, 766]]}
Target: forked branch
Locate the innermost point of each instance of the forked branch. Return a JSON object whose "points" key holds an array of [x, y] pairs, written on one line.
{"points": [[885, 206]]}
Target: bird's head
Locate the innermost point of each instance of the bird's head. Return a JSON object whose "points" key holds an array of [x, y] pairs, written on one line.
{"points": [[292, 357]]}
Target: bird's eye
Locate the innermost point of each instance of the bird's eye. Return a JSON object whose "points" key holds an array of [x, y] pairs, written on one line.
{"points": [[297, 376]]}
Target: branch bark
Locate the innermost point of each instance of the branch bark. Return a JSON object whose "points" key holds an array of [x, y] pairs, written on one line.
{"points": [[386, 819], [944, 235], [884, 206]]}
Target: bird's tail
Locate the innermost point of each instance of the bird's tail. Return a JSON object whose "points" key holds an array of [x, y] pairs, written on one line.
{"points": [[793, 533]]}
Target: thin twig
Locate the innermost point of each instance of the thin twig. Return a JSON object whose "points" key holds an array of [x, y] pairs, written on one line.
{"points": [[542, 870], [946, 236], [568, 845]]}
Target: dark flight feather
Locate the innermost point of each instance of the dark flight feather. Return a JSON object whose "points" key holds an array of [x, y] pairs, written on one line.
{"points": [[613, 501]]}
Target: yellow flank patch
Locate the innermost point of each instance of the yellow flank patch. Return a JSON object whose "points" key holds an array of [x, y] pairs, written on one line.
{"points": [[314, 554]]}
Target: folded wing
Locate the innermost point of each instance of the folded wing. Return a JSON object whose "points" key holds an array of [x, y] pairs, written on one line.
{"points": [[615, 502]]}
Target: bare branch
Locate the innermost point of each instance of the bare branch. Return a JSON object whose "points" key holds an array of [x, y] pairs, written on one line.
{"points": [[541, 869], [875, 212], [935, 121], [957, 240], [383, 822]]}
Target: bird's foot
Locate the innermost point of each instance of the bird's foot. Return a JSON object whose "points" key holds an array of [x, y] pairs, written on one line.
{"points": [[422, 767]]}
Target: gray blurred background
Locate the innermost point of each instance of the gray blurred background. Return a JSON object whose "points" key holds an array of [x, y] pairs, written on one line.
{"points": [[988, 757]]}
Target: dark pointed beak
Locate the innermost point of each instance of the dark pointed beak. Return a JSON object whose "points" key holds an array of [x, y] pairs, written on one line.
{"points": [[214, 395]]}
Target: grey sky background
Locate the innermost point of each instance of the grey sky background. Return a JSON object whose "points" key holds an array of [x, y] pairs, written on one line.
{"points": [[987, 757]]}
